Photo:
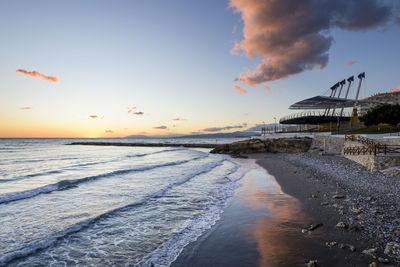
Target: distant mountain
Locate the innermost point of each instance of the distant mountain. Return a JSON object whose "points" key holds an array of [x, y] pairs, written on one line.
{"points": [[213, 135], [154, 136]]}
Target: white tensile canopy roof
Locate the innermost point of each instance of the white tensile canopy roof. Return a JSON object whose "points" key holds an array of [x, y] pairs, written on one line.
{"points": [[323, 102]]}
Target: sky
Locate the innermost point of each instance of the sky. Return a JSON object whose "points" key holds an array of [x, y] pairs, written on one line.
{"points": [[118, 68]]}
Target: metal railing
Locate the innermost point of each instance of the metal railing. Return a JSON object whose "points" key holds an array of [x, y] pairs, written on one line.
{"points": [[370, 146]]}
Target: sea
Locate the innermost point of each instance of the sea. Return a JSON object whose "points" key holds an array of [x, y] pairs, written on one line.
{"points": [[67, 205]]}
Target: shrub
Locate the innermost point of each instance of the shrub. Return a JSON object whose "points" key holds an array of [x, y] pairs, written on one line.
{"points": [[384, 113]]}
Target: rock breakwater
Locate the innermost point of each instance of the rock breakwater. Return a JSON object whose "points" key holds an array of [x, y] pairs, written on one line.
{"points": [[279, 145]]}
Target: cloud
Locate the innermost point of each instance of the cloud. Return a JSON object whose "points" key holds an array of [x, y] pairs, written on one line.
{"points": [[162, 127], [294, 36], [36, 74], [138, 113], [179, 119], [93, 116], [130, 109], [25, 108], [109, 131], [350, 62], [217, 129], [239, 89], [267, 88], [396, 89]]}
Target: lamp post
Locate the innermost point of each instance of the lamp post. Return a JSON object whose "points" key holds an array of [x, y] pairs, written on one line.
{"points": [[264, 130], [275, 124]]}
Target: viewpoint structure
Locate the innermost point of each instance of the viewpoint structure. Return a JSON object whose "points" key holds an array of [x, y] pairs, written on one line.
{"points": [[326, 111]]}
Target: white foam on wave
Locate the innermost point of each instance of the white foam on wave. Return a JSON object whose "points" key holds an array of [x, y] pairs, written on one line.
{"points": [[51, 240], [66, 184], [195, 227]]}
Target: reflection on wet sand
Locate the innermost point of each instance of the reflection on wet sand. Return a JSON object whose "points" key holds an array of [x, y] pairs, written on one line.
{"points": [[276, 231]]}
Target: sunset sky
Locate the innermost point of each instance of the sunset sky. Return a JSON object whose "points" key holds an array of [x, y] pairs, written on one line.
{"points": [[118, 68]]}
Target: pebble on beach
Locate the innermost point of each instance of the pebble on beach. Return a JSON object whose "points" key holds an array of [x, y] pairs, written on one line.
{"points": [[312, 263], [341, 225]]}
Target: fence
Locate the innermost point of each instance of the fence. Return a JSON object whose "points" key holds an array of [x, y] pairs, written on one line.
{"points": [[370, 146]]}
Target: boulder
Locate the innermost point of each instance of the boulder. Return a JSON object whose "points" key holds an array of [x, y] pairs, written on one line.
{"points": [[393, 249]]}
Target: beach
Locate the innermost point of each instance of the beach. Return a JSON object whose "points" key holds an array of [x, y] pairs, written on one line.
{"points": [[162, 206], [327, 190]]}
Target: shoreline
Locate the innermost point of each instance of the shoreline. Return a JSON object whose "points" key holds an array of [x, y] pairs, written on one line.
{"points": [[189, 145], [362, 201]]}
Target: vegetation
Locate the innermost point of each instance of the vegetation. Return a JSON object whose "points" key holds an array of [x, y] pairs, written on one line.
{"points": [[382, 114]]}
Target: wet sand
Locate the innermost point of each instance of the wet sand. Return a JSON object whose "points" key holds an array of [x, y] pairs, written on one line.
{"points": [[262, 224]]}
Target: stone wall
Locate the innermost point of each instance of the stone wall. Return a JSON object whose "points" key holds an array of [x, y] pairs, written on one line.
{"points": [[328, 144], [389, 141], [373, 162]]}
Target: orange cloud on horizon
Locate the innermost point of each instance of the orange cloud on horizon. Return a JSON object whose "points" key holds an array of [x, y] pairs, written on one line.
{"points": [[36, 74], [130, 109], [396, 89], [93, 116], [239, 89], [350, 62], [25, 108]]}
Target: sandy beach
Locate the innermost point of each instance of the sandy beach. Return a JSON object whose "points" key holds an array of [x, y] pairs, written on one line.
{"points": [[267, 221]]}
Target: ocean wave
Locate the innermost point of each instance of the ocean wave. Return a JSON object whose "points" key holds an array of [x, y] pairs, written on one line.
{"points": [[84, 165], [36, 160], [67, 184], [156, 152], [39, 245], [194, 227]]}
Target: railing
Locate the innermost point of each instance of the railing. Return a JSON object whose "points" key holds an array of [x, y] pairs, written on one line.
{"points": [[313, 113], [370, 146]]}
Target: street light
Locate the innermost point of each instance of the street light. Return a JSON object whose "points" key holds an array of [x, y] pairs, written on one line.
{"points": [[264, 130], [275, 124]]}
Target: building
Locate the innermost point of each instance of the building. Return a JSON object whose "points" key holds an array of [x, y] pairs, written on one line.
{"points": [[370, 102]]}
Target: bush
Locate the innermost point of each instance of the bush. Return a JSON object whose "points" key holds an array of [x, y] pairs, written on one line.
{"points": [[384, 113]]}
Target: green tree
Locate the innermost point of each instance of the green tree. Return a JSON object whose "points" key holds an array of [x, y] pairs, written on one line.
{"points": [[384, 113]]}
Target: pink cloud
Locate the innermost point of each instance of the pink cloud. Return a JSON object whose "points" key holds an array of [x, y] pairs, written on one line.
{"points": [[93, 116], [36, 74], [109, 131], [396, 89], [350, 62], [290, 37], [267, 88], [25, 108], [162, 127], [239, 89], [130, 109]]}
